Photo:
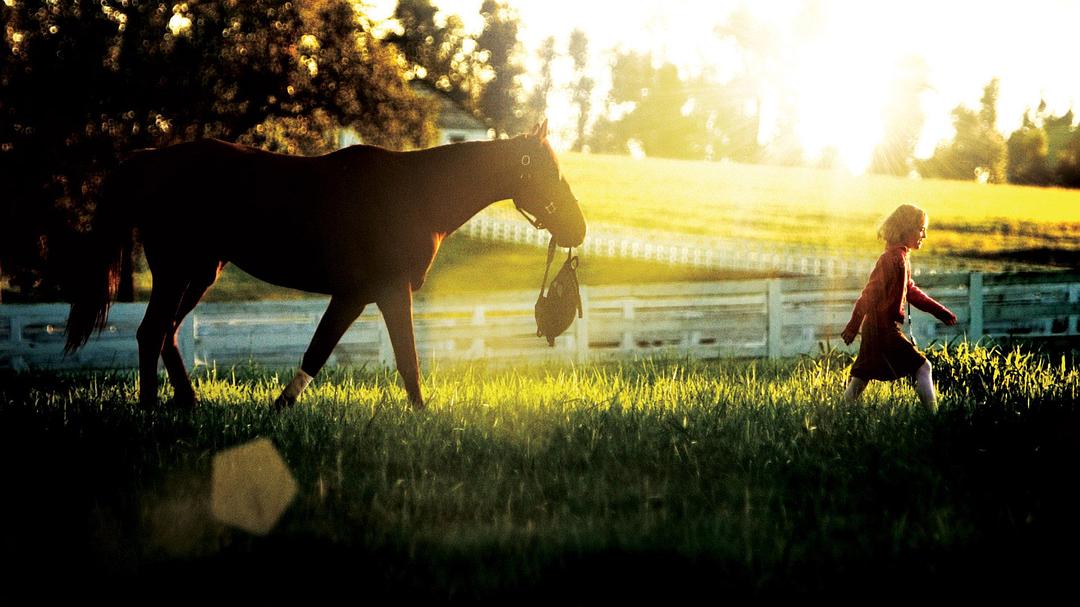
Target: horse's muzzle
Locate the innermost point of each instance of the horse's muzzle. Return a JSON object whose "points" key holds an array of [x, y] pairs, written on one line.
{"points": [[572, 236]]}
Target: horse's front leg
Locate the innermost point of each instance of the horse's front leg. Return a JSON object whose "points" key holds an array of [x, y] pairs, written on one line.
{"points": [[396, 307], [339, 316]]}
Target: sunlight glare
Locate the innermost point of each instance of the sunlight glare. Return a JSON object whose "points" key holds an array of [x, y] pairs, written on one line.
{"points": [[840, 84], [179, 24]]}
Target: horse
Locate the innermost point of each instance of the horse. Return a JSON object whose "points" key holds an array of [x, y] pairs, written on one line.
{"points": [[362, 224]]}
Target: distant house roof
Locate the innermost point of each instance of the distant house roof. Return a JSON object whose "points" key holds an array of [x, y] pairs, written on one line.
{"points": [[451, 114]]}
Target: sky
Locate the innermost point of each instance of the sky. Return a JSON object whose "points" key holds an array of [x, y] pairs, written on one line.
{"points": [[839, 57]]}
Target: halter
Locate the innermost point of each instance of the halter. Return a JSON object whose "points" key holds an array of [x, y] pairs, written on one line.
{"points": [[550, 207]]}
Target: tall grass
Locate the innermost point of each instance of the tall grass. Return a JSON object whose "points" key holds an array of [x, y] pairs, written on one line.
{"points": [[662, 476]]}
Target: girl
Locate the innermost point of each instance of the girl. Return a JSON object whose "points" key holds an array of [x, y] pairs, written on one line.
{"points": [[885, 354]]}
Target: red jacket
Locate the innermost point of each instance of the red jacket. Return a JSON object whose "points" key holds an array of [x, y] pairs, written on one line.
{"points": [[890, 285]]}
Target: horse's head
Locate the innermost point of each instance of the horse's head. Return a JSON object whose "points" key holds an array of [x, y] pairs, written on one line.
{"points": [[542, 193]]}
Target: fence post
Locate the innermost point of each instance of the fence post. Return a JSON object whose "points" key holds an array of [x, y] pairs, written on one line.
{"points": [[478, 321], [581, 334], [975, 306], [774, 307], [386, 349], [627, 314], [187, 341], [18, 362], [17, 323], [1074, 319]]}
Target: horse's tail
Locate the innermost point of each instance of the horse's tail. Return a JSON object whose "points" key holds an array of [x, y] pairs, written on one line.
{"points": [[110, 242]]}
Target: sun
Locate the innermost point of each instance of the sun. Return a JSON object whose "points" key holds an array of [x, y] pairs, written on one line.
{"points": [[839, 108], [838, 82]]}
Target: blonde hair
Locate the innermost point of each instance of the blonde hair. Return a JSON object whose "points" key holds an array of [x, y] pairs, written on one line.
{"points": [[907, 218]]}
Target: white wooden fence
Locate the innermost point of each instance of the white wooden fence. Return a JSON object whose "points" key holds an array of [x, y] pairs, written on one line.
{"points": [[676, 248], [759, 318]]}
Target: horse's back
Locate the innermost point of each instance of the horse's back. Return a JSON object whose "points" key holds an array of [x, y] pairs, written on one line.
{"points": [[295, 221]]}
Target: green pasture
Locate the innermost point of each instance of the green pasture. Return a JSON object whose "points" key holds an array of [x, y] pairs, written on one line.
{"points": [[656, 479], [824, 208]]}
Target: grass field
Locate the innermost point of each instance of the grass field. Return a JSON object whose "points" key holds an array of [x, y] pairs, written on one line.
{"points": [[822, 208], [649, 480]]}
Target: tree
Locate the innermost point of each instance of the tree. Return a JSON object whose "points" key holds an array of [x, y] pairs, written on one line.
{"points": [[759, 44], [1028, 152], [582, 87], [442, 54], [419, 39], [656, 119], [977, 151], [1063, 148], [785, 147], [538, 102], [1067, 165], [661, 121], [501, 100], [85, 83], [1059, 130], [729, 131], [903, 119]]}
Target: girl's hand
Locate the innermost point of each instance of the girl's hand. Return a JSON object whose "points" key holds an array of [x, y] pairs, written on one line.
{"points": [[849, 335], [949, 320]]}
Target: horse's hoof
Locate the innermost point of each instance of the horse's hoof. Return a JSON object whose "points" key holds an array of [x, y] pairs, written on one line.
{"points": [[184, 401]]}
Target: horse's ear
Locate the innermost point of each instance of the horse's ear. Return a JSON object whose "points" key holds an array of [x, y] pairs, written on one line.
{"points": [[541, 130]]}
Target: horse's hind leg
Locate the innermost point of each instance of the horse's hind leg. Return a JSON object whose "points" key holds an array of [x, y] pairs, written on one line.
{"points": [[183, 392], [165, 295]]}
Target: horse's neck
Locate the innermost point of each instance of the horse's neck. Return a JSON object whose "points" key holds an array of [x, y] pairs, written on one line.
{"points": [[469, 177]]}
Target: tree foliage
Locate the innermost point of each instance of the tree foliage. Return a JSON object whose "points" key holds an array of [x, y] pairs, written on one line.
{"points": [[1045, 150], [728, 115], [760, 48], [438, 49], [581, 88], [978, 151], [1029, 159], [82, 84], [501, 101], [480, 71], [537, 104], [1063, 148], [656, 119]]}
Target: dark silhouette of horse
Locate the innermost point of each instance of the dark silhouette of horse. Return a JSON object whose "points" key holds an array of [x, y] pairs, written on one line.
{"points": [[362, 224]]}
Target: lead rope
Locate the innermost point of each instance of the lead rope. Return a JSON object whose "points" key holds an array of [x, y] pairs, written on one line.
{"points": [[550, 257], [543, 283]]}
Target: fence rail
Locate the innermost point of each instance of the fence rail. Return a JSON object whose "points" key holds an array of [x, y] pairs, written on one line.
{"points": [[758, 318], [699, 251]]}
